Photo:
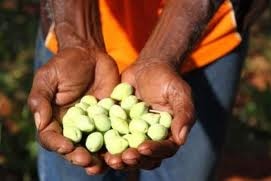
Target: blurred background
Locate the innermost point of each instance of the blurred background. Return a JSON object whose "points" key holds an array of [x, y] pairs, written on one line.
{"points": [[247, 153]]}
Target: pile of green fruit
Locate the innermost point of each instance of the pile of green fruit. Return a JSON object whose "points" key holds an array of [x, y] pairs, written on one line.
{"points": [[118, 122]]}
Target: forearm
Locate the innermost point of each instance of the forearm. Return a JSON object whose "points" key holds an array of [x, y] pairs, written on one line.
{"points": [[180, 26], [254, 11], [76, 22]]}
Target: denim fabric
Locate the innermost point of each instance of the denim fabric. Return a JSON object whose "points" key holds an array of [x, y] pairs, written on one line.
{"points": [[42, 55], [214, 88]]}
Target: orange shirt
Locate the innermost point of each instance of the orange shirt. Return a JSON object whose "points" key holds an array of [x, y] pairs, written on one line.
{"points": [[127, 24]]}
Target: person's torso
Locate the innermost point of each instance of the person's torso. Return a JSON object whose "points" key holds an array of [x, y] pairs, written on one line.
{"points": [[127, 24]]}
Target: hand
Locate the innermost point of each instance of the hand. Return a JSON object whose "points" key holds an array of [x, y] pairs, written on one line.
{"points": [[159, 85], [69, 75]]}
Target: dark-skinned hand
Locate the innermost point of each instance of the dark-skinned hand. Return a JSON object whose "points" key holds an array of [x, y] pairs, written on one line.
{"points": [[159, 85], [59, 84]]}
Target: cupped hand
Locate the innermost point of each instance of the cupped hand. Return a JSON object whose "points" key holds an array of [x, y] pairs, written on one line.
{"points": [[159, 85], [69, 75]]}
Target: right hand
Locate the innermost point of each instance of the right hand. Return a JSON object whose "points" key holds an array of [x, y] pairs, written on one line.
{"points": [[58, 85]]}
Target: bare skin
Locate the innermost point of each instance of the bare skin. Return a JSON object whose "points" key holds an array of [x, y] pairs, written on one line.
{"points": [[69, 75], [159, 85], [157, 82], [80, 67], [83, 67]]}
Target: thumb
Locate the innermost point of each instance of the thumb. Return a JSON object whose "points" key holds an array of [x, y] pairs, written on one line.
{"points": [[183, 112], [41, 95], [180, 128], [128, 76]]}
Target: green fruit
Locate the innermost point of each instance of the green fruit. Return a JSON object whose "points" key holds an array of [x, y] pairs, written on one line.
{"points": [[106, 103], [157, 132], [102, 122], [72, 133], [94, 142], [151, 118], [165, 119], [74, 112], [122, 91], [116, 145], [89, 100], [84, 123], [117, 111], [135, 139], [96, 110], [128, 102], [68, 121], [110, 134], [120, 125], [138, 110], [138, 125], [82, 105]]}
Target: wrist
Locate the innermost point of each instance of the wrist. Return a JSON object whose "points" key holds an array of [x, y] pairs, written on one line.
{"points": [[151, 54], [145, 62], [77, 23], [178, 30], [67, 37]]}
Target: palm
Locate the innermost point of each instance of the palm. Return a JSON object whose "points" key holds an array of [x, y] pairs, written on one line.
{"points": [[74, 81], [159, 87], [77, 74], [60, 83], [163, 89]]}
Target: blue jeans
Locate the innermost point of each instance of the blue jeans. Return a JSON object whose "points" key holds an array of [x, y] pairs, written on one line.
{"points": [[214, 88]]}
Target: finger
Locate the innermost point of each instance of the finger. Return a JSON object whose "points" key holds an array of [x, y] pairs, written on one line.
{"points": [[128, 75], [148, 163], [151, 165], [180, 99], [41, 95], [131, 157], [158, 149], [52, 139], [180, 129], [114, 161], [79, 156], [106, 77], [97, 167]]}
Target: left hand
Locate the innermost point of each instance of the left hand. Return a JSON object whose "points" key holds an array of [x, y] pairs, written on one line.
{"points": [[159, 85]]}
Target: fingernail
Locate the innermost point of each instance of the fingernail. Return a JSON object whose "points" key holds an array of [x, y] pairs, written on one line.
{"points": [[183, 134], [132, 161], [145, 151], [61, 150], [37, 120], [91, 173]]}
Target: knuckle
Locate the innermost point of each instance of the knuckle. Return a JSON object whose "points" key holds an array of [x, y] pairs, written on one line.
{"points": [[190, 118], [65, 147], [44, 74], [43, 143], [33, 102], [82, 160], [96, 170], [42, 139], [41, 71]]}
